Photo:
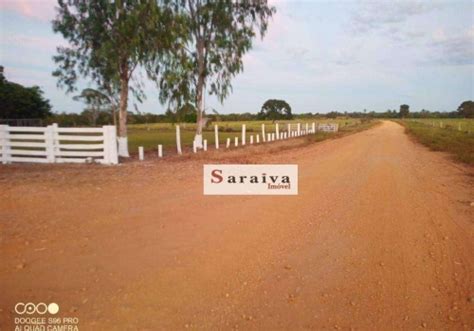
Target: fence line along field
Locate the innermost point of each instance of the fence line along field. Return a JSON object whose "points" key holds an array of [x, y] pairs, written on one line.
{"points": [[460, 124], [153, 134], [452, 135]]}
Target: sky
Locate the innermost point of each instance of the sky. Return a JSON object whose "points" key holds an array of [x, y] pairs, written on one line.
{"points": [[319, 56]]}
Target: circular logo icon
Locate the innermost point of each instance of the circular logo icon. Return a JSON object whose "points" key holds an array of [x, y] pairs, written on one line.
{"points": [[53, 308], [40, 308]]}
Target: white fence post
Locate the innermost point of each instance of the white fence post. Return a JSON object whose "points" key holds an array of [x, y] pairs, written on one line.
{"points": [[110, 144], [56, 142], [314, 128], [236, 141], [251, 140], [49, 140], [194, 146], [227, 144], [258, 138], [216, 136], [178, 140], [141, 154], [105, 133], [298, 129], [113, 144], [277, 131], [4, 140], [306, 128], [289, 129], [204, 144], [243, 134], [263, 132], [160, 150]]}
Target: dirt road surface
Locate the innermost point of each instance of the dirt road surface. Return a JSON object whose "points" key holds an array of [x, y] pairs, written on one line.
{"points": [[379, 237]]}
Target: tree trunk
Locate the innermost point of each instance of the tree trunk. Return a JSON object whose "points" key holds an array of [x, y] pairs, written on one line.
{"points": [[200, 110], [95, 115], [113, 105], [122, 134], [114, 115], [199, 94]]}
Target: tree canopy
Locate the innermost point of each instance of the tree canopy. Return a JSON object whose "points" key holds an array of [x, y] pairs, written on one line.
{"points": [[466, 109], [219, 34], [404, 111], [17, 101], [108, 40], [274, 109], [187, 46]]}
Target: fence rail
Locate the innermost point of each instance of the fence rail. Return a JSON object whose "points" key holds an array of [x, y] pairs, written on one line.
{"points": [[52, 144]]}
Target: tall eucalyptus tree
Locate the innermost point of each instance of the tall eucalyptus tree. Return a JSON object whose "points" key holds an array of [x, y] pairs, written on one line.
{"points": [[108, 41], [219, 33]]}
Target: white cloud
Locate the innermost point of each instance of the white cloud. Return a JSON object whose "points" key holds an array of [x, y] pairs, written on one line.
{"points": [[452, 49], [375, 15]]}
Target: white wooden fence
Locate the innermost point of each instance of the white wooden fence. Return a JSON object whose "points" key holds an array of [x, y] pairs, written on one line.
{"points": [[53, 144]]}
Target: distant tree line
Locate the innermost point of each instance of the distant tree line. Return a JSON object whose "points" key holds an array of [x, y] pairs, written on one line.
{"points": [[19, 102], [105, 117]]}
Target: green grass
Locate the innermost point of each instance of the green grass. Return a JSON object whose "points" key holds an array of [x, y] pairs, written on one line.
{"points": [[150, 135], [460, 143], [460, 124]]}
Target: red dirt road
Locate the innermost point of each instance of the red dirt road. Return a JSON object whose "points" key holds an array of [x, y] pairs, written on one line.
{"points": [[381, 236]]}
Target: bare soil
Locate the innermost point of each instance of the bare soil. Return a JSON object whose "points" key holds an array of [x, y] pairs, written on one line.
{"points": [[379, 237]]}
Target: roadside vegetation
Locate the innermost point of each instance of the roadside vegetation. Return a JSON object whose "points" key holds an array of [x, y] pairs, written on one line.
{"points": [[455, 136]]}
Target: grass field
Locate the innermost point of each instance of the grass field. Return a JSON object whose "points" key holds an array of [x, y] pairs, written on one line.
{"points": [[150, 135], [460, 124], [455, 136]]}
